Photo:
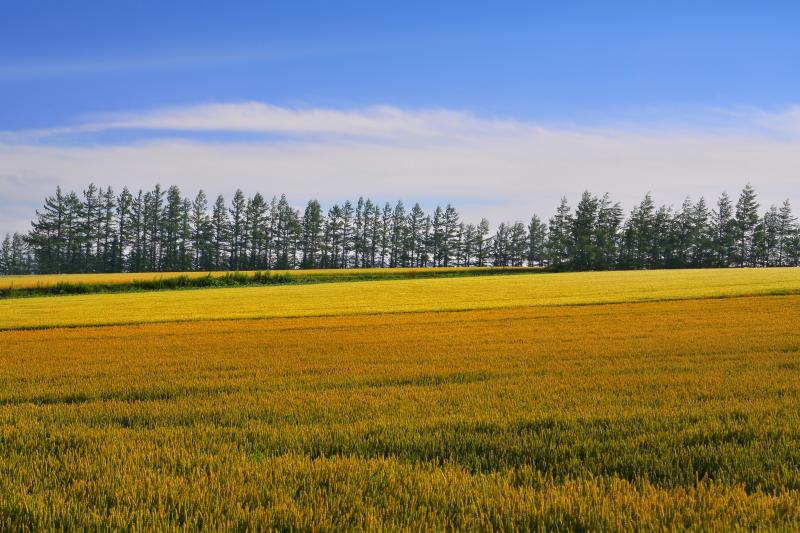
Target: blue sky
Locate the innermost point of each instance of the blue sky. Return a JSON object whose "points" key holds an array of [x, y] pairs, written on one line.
{"points": [[533, 60], [643, 70]]}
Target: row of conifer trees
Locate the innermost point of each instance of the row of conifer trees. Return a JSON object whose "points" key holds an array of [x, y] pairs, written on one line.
{"points": [[161, 230]]}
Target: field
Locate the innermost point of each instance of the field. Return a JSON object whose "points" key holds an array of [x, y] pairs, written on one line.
{"points": [[49, 280], [68, 283], [395, 296], [629, 400]]}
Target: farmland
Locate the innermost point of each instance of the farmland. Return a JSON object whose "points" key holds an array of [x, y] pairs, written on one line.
{"points": [[613, 400], [63, 284], [395, 296], [51, 280]]}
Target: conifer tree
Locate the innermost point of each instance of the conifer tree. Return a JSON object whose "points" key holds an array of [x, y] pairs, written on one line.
{"points": [[723, 227], [537, 235], [559, 232], [746, 222]]}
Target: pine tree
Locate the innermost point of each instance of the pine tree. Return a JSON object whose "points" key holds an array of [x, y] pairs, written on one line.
{"points": [[123, 231], [416, 237], [171, 230], [367, 240], [397, 254], [287, 230], [333, 237], [517, 244], [701, 243], [15, 255], [312, 235], [375, 239], [500, 246], [347, 234], [770, 224], [87, 236], [437, 236], [358, 234], [793, 247], [386, 232], [256, 230], [584, 229], [107, 232], [468, 247], [662, 247], [609, 223], [5, 255], [220, 231], [786, 228], [47, 236], [682, 232], [723, 227], [185, 249], [449, 245], [537, 235], [138, 254], [153, 217], [640, 238], [746, 221], [237, 229], [559, 242], [201, 232], [481, 243]]}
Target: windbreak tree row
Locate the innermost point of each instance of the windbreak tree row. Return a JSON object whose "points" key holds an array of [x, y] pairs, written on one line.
{"points": [[161, 230]]}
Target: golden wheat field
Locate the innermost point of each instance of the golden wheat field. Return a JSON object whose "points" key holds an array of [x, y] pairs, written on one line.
{"points": [[49, 280], [597, 401], [395, 296]]}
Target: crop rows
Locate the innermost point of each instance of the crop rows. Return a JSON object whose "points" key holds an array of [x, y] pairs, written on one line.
{"points": [[415, 295], [669, 414]]}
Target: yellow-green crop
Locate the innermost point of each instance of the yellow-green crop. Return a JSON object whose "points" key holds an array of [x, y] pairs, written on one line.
{"points": [[680, 413], [450, 294], [50, 280]]}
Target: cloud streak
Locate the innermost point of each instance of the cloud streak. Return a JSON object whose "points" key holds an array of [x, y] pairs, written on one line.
{"points": [[375, 123], [500, 168]]}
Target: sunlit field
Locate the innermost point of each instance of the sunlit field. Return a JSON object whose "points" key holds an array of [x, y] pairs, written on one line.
{"points": [[49, 280], [449, 294], [617, 400]]}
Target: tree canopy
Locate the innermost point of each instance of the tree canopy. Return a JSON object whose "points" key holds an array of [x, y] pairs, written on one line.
{"points": [[162, 230]]}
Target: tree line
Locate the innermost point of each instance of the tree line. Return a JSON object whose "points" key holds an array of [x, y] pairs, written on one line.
{"points": [[161, 230]]}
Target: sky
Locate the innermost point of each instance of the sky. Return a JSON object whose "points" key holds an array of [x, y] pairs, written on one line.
{"points": [[498, 107]]}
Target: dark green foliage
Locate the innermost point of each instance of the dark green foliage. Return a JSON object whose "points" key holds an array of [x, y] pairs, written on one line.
{"points": [[747, 225], [158, 231]]}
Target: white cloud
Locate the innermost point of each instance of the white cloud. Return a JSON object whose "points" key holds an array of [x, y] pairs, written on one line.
{"points": [[375, 123], [787, 122], [498, 168]]}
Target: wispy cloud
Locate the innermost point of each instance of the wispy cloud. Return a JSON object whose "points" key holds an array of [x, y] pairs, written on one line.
{"points": [[786, 122], [379, 122], [499, 168]]}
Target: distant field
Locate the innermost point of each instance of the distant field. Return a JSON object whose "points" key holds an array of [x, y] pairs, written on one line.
{"points": [[450, 294], [660, 400], [51, 280]]}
